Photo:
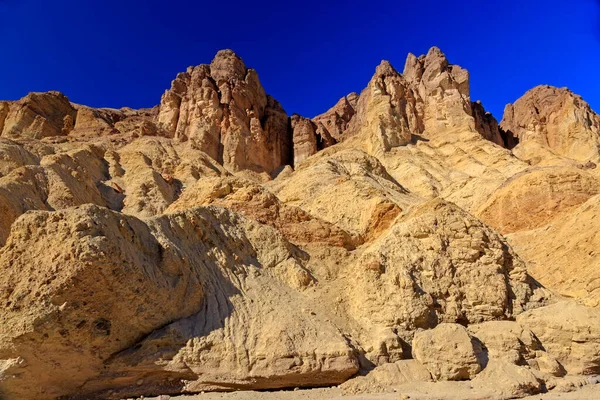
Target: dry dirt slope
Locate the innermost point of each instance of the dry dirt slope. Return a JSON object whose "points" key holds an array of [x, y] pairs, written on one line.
{"points": [[214, 243]]}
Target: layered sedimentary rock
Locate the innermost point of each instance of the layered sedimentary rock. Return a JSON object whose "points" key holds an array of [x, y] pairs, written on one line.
{"points": [[537, 196], [38, 115], [557, 119], [223, 109]]}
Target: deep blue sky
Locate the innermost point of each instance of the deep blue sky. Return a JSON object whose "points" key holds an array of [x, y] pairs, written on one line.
{"points": [[308, 53]]}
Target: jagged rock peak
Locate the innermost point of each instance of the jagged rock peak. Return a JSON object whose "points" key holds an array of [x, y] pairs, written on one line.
{"points": [[385, 68], [223, 110], [227, 65]]}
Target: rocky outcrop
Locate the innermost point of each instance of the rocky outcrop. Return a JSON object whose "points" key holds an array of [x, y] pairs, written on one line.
{"points": [[255, 202], [325, 188], [172, 250], [94, 122], [304, 138], [334, 122], [38, 115], [430, 96], [61, 180], [428, 269], [224, 111], [569, 332], [557, 119], [13, 155], [191, 323], [448, 352], [488, 127]]}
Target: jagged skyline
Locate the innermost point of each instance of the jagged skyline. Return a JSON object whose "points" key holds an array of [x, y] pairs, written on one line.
{"points": [[126, 54]]}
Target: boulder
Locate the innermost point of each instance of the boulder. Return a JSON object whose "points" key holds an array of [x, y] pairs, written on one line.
{"points": [[508, 380], [448, 352]]}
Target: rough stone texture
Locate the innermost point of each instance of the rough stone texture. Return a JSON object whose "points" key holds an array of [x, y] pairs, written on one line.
{"points": [[223, 109], [506, 340], [94, 122], [385, 376], [569, 332], [334, 122], [13, 155], [536, 197], [38, 115], [558, 119], [304, 138], [448, 352], [508, 380], [254, 201], [563, 255], [386, 112], [324, 187], [67, 310], [430, 267], [60, 181], [488, 127]]}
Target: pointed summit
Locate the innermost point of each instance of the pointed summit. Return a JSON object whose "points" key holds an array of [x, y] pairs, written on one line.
{"points": [[227, 65]]}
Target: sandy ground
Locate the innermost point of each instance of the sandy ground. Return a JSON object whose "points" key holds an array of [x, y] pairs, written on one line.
{"points": [[430, 391]]}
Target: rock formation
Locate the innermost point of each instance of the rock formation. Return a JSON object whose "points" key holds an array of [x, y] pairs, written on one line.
{"points": [[557, 119], [224, 111], [38, 115], [214, 243], [334, 122]]}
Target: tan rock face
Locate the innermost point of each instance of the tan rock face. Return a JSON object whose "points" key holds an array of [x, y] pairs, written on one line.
{"points": [[536, 197], [152, 268], [430, 267], [304, 138], [569, 332], [223, 109], [13, 155], [255, 202], [558, 119], [488, 127], [38, 115], [563, 255], [506, 340], [448, 352], [323, 187]]}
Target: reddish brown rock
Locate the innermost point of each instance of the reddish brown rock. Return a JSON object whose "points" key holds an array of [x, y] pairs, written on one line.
{"points": [[334, 122], [223, 110], [557, 119], [38, 115]]}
